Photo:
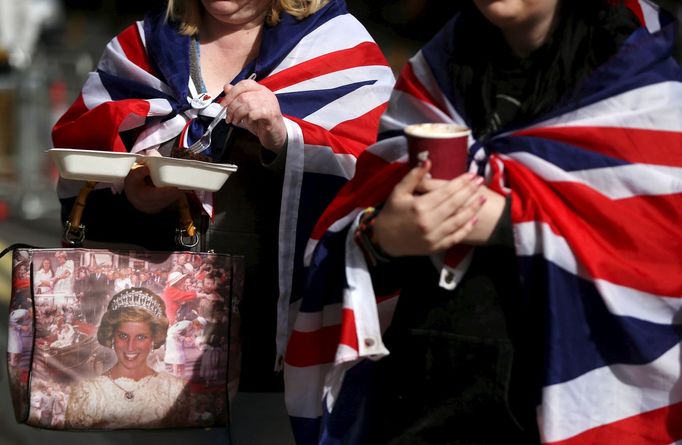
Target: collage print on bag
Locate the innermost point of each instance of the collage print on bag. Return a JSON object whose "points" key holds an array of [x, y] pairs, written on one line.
{"points": [[107, 340]]}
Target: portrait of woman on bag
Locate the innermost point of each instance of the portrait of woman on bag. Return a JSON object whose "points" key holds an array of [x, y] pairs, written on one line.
{"points": [[131, 391]]}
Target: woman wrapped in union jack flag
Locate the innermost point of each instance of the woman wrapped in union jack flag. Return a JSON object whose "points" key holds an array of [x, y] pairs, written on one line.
{"points": [[304, 85], [536, 298]]}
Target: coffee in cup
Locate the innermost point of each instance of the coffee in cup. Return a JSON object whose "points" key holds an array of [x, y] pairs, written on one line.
{"points": [[444, 144]]}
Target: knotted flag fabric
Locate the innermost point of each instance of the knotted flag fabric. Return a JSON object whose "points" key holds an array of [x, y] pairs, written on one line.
{"points": [[330, 78], [596, 189]]}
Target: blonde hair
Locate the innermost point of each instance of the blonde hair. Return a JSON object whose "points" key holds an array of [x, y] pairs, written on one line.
{"points": [[188, 12]]}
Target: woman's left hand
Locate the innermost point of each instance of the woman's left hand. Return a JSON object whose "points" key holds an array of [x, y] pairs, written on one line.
{"points": [[252, 106]]}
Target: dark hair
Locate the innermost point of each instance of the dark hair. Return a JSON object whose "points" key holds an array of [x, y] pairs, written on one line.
{"points": [[587, 34]]}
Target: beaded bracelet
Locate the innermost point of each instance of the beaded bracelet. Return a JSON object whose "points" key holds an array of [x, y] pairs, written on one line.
{"points": [[364, 237]]}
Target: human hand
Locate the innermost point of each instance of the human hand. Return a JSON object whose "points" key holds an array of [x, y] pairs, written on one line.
{"points": [[424, 216], [252, 106], [144, 196]]}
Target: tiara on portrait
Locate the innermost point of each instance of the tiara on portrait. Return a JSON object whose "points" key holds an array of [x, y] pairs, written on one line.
{"points": [[137, 297]]}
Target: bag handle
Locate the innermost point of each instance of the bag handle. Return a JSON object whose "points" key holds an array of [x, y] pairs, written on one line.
{"points": [[186, 235], [74, 232]]}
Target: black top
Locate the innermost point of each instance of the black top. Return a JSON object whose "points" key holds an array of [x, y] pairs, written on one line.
{"points": [[246, 222], [451, 374]]}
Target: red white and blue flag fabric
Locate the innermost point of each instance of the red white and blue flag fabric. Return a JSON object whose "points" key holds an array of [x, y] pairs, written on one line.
{"points": [[596, 189], [330, 78]]}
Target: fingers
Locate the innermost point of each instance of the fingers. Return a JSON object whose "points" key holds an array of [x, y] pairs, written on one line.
{"points": [[455, 228], [440, 204], [413, 178], [249, 108], [428, 184], [455, 192], [436, 225], [242, 94], [256, 108], [142, 194], [137, 175], [233, 91]]}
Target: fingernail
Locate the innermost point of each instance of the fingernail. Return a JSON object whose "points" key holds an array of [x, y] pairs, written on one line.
{"points": [[474, 220], [482, 199], [478, 181], [471, 176]]}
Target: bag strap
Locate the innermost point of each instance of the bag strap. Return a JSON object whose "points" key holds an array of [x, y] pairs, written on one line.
{"points": [[186, 235], [13, 247]]}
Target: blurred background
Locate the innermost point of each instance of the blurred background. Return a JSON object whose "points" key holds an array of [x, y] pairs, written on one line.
{"points": [[47, 47]]}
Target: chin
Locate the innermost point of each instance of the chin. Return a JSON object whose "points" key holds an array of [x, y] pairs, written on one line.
{"points": [[499, 12], [506, 13]]}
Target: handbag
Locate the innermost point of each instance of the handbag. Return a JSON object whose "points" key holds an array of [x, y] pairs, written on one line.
{"points": [[109, 339]]}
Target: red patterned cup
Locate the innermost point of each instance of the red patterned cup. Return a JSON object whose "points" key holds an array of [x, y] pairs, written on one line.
{"points": [[444, 144]]}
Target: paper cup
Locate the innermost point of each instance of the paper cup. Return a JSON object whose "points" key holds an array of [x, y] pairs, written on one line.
{"points": [[444, 144]]}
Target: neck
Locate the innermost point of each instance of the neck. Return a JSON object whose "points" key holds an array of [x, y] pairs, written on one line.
{"points": [[226, 49], [134, 374], [231, 35]]}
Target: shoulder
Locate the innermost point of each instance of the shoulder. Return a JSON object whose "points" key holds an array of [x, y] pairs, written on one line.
{"points": [[87, 392], [166, 377], [171, 384], [89, 385]]}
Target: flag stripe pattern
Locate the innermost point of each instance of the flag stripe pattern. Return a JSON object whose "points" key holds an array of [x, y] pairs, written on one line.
{"points": [[332, 82], [596, 189]]}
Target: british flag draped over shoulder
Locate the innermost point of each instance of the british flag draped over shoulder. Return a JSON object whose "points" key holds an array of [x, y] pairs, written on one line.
{"points": [[596, 193], [330, 78]]}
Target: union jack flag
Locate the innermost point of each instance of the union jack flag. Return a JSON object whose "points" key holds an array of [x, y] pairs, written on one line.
{"points": [[330, 78], [596, 189]]}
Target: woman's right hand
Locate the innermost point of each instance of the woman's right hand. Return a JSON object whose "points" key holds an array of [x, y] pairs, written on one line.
{"points": [[144, 196], [423, 216]]}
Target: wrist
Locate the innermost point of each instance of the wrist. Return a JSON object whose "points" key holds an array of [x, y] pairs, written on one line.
{"points": [[276, 140]]}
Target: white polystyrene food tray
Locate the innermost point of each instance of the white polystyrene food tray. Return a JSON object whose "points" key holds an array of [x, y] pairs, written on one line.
{"points": [[92, 165], [188, 174]]}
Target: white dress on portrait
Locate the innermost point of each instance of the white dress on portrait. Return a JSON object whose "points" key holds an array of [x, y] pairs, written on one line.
{"points": [[102, 403], [43, 276], [175, 349], [64, 285], [15, 340], [66, 337]]}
